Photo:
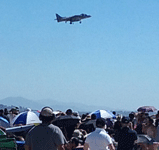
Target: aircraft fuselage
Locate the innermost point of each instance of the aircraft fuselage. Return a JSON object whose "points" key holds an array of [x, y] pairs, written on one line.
{"points": [[72, 18]]}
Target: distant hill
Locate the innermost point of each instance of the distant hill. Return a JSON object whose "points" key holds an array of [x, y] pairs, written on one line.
{"points": [[73, 105], [56, 105], [20, 101]]}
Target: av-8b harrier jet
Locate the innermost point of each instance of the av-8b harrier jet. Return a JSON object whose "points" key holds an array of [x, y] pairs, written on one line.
{"points": [[72, 18]]}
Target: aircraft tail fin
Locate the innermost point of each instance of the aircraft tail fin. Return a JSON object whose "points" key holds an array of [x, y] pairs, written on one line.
{"points": [[58, 18]]}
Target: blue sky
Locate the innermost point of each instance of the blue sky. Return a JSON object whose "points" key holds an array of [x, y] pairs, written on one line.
{"points": [[110, 59]]}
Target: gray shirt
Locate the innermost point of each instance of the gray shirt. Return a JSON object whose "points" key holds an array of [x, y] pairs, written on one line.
{"points": [[45, 137]]}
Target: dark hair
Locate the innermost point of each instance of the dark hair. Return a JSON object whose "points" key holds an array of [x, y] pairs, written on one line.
{"points": [[93, 116], [1, 110], [100, 122], [75, 140], [125, 120], [83, 116], [131, 116], [69, 111], [114, 112], [146, 114], [5, 112]]}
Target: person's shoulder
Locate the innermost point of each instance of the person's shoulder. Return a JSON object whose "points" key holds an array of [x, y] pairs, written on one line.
{"points": [[104, 134], [32, 131], [38, 128], [132, 131], [89, 135], [54, 127]]}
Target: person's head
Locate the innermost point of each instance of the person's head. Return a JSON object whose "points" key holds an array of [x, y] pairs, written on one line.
{"points": [[146, 114], [46, 115], [131, 116], [84, 117], [14, 111], [1, 111], [125, 121], [101, 123], [93, 117], [17, 108], [77, 133], [75, 142], [119, 117], [5, 111], [109, 123], [114, 112], [140, 117], [69, 112], [149, 121], [75, 114]]}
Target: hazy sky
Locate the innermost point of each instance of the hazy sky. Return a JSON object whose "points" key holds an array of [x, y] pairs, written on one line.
{"points": [[110, 59]]}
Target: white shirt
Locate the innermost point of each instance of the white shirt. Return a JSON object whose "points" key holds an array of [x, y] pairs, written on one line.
{"points": [[98, 140]]}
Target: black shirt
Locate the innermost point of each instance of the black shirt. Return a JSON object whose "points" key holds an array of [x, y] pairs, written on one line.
{"points": [[126, 138]]}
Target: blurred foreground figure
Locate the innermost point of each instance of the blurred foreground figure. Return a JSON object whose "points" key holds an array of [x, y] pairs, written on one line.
{"points": [[45, 136], [126, 137], [99, 139]]}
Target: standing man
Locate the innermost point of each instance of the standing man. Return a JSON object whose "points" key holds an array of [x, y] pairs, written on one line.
{"points": [[126, 137], [99, 139], [45, 136]]}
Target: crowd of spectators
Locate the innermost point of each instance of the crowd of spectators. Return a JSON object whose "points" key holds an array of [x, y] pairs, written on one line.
{"points": [[78, 132]]}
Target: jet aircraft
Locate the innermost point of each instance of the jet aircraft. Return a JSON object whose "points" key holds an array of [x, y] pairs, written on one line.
{"points": [[72, 18]]}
